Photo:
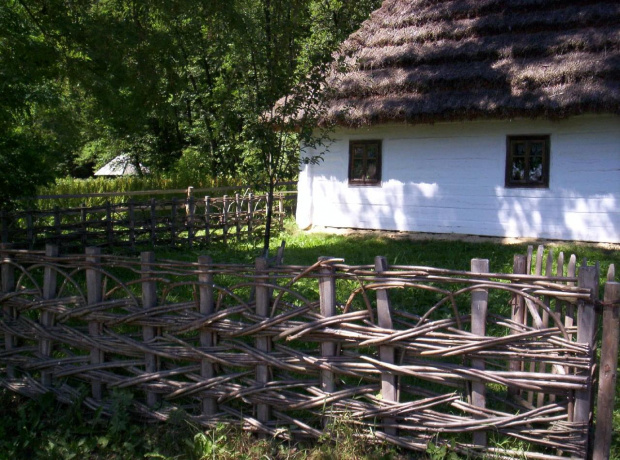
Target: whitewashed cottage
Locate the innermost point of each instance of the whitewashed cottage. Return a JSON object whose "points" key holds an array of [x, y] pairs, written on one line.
{"points": [[485, 117]]}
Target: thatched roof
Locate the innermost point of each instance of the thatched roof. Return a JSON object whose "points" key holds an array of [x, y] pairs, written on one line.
{"points": [[433, 60]]}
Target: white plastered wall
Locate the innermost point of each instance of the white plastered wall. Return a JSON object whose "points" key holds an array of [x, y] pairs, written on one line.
{"points": [[449, 178]]}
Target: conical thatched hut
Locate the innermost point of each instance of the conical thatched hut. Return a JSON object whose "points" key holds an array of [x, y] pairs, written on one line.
{"points": [[488, 117]]}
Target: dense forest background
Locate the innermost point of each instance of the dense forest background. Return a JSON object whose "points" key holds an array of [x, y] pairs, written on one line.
{"points": [[172, 83]]}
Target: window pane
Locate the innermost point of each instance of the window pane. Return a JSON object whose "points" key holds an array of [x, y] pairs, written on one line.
{"points": [[536, 169], [519, 148], [518, 169], [358, 169], [371, 170]]}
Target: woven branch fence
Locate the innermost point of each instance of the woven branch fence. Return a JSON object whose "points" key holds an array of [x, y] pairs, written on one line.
{"points": [[486, 363], [159, 221]]}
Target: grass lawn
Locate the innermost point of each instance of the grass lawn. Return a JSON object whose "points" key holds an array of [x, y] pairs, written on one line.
{"points": [[46, 429]]}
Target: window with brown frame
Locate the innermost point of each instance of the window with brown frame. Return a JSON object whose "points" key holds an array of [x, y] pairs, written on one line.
{"points": [[527, 161], [365, 162]]}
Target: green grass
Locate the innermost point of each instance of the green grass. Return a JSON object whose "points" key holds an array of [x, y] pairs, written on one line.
{"points": [[45, 429]]}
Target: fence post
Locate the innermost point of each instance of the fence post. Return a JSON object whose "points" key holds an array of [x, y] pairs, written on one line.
{"points": [[250, 215], [518, 314], [225, 218], [10, 313], [29, 230], [327, 301], [190, 209], [109, 226], [479, 307], [207, 338], [153, 222], [132, 224], [149, 300], [94, 296], [207, 217], [389, 381], [263, 344], [607, 372], [83, 227], [238, 216], [46, 318], [5, 225], [173, 222], [586, 328], [57, 230]]}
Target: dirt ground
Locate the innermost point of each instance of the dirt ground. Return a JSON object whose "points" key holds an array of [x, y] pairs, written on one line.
{"points": [[419, 236]]}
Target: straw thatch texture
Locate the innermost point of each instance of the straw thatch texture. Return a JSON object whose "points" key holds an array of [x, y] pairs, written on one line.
{"points": [[427, 61], [192, 335]]}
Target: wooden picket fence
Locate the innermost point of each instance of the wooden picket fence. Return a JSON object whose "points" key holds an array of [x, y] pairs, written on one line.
{"points": [[189, 221], [482, 362]]}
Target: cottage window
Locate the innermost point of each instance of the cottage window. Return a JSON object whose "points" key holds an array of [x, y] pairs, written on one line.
{"points": [[527, 161], [365, 163]]}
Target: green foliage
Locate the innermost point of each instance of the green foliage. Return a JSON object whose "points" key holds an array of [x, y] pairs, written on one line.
{"points": [[184, 87]]}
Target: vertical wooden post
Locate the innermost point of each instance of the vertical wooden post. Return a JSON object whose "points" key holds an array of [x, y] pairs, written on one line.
{"points": [[173, 223], [225, 218], [518, 314], [153, 222], [190, 210], [607, 372], [46, 318], [263, 411], [327, 301], [5, 225], [586, 328], [479, 307], [94, 294], [537, 271], [559, 310], [238, 216], [207, 338], [83, 227], [29, 230], [109, 226], [207, 219], [540, 398], [281, 209], [149, 300], [10, 313], [389, 381], [132, 224], [250, 215], [57, 228]]}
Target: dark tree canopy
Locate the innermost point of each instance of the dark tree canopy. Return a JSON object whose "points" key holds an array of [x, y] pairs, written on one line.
{"points": [[183, 84]]}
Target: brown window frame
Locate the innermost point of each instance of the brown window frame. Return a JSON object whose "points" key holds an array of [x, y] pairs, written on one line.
{"points": [[511, 142], [361, 181]]}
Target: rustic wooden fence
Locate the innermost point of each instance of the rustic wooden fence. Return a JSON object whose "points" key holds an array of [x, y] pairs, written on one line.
{"points": [[488, 363], [159, 221]]}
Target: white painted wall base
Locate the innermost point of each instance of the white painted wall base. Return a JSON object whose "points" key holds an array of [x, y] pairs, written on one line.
{"points": [[449, 178]]}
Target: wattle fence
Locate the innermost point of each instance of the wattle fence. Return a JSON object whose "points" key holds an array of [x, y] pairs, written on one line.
{"points": [[189, 220], [485, 363]]}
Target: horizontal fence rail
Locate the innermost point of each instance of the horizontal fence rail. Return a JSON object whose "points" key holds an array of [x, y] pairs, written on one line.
{"points": [[159, 221], [482, 362]]}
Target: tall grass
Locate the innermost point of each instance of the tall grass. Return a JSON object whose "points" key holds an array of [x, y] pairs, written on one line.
{"points": [[71, 186]]}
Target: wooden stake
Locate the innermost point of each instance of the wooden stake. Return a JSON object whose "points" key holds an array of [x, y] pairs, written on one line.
{"points": [[46, 318], [607, 372], [149, 300], [94, 296], [479, 306], [586, 328], [10, 313], [389, 389], [263, 344], [207, 338]]}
